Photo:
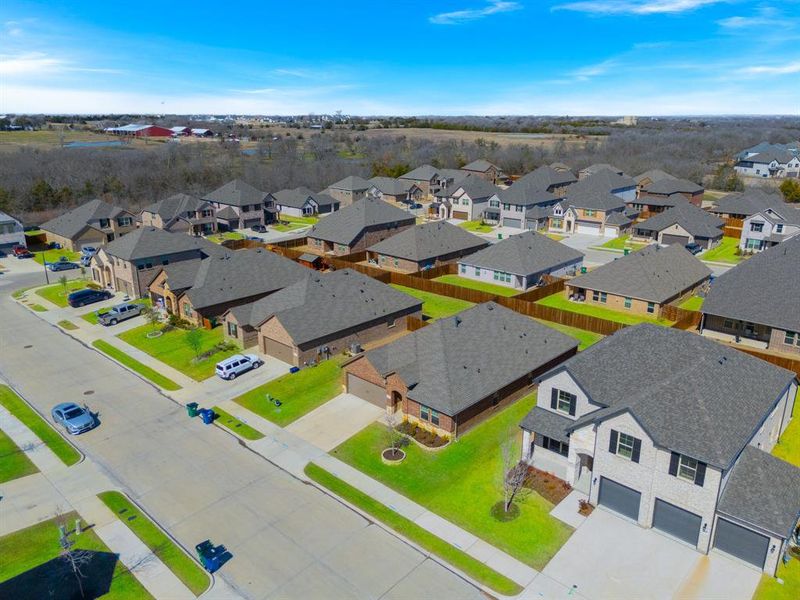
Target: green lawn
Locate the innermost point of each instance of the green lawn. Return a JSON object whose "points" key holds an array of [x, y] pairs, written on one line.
{"points": [[91, 317], [410, 530], [14, 463], [725, 252], [41, 428], [235, 425], [299, 393], [770, 589], [621, 242], [692, 303], [461, 483], [68, 325], [310, 220], [788, 448], [491, 288], [176, 560], [171, 348], [134, 365], [586, 338], [555, 236], [435, 306], [38, 308], [38, 544], [55, 293], [476, 226], [218, 238], [560, 301], [288, 227], [55, 255]]}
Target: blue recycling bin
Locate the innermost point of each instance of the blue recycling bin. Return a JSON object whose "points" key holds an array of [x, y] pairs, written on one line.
{"points": [[209, 556], [207, 415]]}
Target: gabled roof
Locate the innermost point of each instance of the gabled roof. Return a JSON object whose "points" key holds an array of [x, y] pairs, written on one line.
{"points": [[671, 200], [525, 254], [763, 289], [421, 173], [345, 225], [480, 166], [475, 187], [619, 218], [429, 240], [673, 186], [593, 199], [295, 198], [326, 304], [747, 203], [695, 221], [652, 274], [445, 364], [73, 222], [653, 175], [236, 193], [691, 394], [784, 213], [598, 167], [766, 157], [152, 242], [543, 178], [352, 183], [391, 186], [603, 180], [177, 205], [764, 491]]}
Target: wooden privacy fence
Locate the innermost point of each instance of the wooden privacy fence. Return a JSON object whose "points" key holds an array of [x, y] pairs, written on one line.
{"points": [[734, 232], [561, 316], [675, 313], [448, 269], [443, 289], [413, 323], [785, 362]]}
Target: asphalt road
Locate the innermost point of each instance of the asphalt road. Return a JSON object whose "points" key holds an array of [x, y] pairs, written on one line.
{"points": [[287, 538]]}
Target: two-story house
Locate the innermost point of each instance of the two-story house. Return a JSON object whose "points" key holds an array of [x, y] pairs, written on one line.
{"points": [[651, 176], [483, 168], [93, 223], [770, 163], [740, 205], [593, 212], [397, 191], [12, 233], [468, 199], [348, 190], [181, 212], [547, 179], [769, 227], [663, 188], [672, 431], [426, 178], [302, 202], [239, 205], [521, 207]]}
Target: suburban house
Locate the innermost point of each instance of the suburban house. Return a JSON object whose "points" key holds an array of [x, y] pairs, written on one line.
{"points": [[647, 205], [770, 163], [769, 227], [93, 223], [547, 179], [468, 199], [673, 431], [641, 282], [426, 178], [358, 226], [740, 205], [648, 177], [520, 261], [682, 224], [399, 191], [302, 202], [605, 180], [12, 233], [594, 212], [756, 302], [239, 205], [348, 190], [520, 207], [129, 264], [320, 316], [664, 188], [438, 376], [181, 212], [484, 169], [792, 147], [424, 246], [597, 168], [201, 290]]}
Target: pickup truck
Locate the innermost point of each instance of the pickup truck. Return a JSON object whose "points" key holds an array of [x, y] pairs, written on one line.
{"points": [[118, 313]]}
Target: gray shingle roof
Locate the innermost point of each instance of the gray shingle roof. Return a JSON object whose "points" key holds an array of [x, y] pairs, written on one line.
{"points": [[391, 186], [525, 254], [151, 242], [747, 203], [544, 177], [696, 221], [475, 187], [294, 198], [352, 183], [445, 364], [177, 205], [764, 491], [766, 157], [547, 423], [671, 200], [653, 175], [599, 167], [481, 166], [785, 213], [673, 186], [691, 394], [603, 181], [345, 225], [619, 218], [326, 304], [594, 199], [73, 222], [421, 173], [652, 274], [236, 193], [763, 289], [429, 240]]}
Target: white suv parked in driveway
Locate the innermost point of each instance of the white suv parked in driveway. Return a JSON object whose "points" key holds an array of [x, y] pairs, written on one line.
{"points": [[236, 365]]}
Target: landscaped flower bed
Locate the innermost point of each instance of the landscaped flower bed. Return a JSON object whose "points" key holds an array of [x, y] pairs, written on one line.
{"points": [[429, 439], [548, 486]]}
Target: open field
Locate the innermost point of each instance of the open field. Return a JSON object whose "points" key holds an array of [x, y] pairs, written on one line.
{"points": [[547, 140], [47, 139]]}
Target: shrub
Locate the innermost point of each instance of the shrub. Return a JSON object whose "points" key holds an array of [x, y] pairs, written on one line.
{"points": [[93, 285]]}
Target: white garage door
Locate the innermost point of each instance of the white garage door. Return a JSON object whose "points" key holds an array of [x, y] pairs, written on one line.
{"points": [[610, 232], [589, 228], [366, 390]]}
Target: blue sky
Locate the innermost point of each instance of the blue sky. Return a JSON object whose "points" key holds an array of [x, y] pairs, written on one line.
{"points": [[403, 57]]}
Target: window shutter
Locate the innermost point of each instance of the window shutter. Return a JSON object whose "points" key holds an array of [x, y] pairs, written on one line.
{"points": [[673, 464], [700, 476], [612, 443], [573, 400], [554, 398], [637, 449]]}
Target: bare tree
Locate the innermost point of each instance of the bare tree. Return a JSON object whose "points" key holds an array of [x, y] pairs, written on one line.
{"points": [[194, 339], [394, 439], [75, 558], [514, 474], [64, 283]]}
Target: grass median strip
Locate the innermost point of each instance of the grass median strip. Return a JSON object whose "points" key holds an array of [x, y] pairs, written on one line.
{"points": [[175, 559], [14, 463], [408, 529], [38, 308], [236, 426], [41, 428], [135, 365], [68, 325]]}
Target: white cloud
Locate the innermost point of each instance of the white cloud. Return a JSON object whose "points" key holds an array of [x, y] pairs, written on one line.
{"points": [[29, 63], [786, 69], [471, 14], [590, 71], [766, 16], [635, 7]]}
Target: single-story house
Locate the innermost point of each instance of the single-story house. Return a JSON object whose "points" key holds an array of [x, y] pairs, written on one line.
{"points": [[320, 316], [181, 212], [666, 187], [740, 205], [641, 282], [93, 223], [438, 376], [12, 233], [359, 226], [348, 190], [425, 246], [239, 205], [302, 202], [756, 302], [647, 205], [520, 261], [399, 191], [673, 432], [769, 227], [682, 224], [483, 168]]}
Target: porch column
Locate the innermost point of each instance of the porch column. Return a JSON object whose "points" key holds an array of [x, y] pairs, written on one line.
{"points": [[526, 446]]}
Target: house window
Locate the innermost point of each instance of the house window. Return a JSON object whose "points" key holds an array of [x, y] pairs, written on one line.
{"points": [[463, 268], [518, 208], [342, 247], [628, 303], [687, 468], [651, 307], [396, 263], [791, 338], [589, 212], [494, 203], [428, 414], [557, 223], [625, 445], [233, 330], [601, 297], [187, 310], [728, 324], [779, 228], [561, 448], [566, 402], [477, 271], [104, 223], [757, 227], [506, 206]]}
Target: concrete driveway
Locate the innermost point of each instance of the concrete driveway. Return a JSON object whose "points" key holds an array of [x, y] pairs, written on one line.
{"points": [[609, 557], [335, 421]]}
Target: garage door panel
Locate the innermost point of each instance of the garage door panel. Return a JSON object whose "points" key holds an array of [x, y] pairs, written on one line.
{"points": [[674, 239], [611, 232], [366, 390], [587, 228], [619, 498], [513, 223], [460, 214], [741, 542], [279, 350], [677, 522]]}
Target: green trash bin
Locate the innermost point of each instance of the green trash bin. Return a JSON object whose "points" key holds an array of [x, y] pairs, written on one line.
{"points": [[191, 409]]}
